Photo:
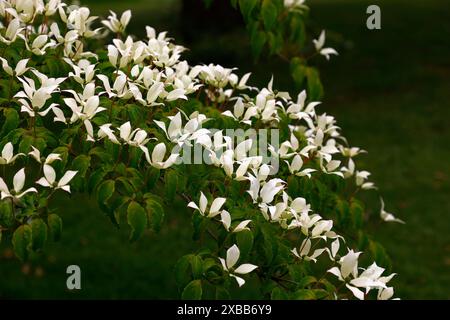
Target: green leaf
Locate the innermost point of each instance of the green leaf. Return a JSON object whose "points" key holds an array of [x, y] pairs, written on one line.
{"points": [[137, 219], [298, 71], [278, 294], [357, 213], [315, 88], [193, 291], [304, 294], [247, 7], [95, 178], [244, 241], [39, 234], [22, 241], [105, 191], [25, 144], [198, 223], [153, 175], [54, 226], [81, 165], [197, 266], [320, 293], [222, 294], [11, 121], [269, 13], [155, 213], [182, 271], [258, 40], [171, 182], [306, 281], [6, 213]]}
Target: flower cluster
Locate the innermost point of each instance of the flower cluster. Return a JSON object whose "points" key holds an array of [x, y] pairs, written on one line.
{"points": [[122, 112]]}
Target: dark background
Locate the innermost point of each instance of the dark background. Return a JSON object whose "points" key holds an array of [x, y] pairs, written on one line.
{"points": [[389, 90]]}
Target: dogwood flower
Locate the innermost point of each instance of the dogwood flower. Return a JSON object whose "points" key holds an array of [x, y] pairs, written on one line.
{"points": [[368, 279], [20, 68], [83, 71], [84, 107], [36, 154], [136, 138], [119, 88], [320, 42], [294, 4], [18, 184], [33, 100], [225, 218], [241, 112], [40, 44], [361, 177], [295, 167], [388, 217], [213, 211], [80, 20], [12, 31], [116, 25], [49, 179], [8, 156], [304, 251], [158, 155], [228, 264], [106, 131]]}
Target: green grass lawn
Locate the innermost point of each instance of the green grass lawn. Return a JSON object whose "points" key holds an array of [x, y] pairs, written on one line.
{"points": [[389, 91]]}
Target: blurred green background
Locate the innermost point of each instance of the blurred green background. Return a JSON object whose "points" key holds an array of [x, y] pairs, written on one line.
{"points": [[389, 90]]}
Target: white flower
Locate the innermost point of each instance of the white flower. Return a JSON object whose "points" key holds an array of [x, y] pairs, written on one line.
{"points": [[295, 167], [32, 99], [304, 251], [40, 44], [119, 88], [84, 71], [49, 179], [319, 43], [228, 264], [12, 31], [294, 4], [158, 154], [18, 184], [136, 138], [368, 279], [242, 112], [8, 156], [361, 177], [84, 107], [225, 218], [270, 189], [80, 21], [36, 154], [106, 131], [213, 211], [20, 68], [386, 216], [116, 25], [52, 6]]}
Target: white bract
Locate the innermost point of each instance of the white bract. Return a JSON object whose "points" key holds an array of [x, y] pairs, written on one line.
{"points": [[386, 216], [214, 209], [49, 179], [8, 155], [18, 183], [230, 261], [20, 69], [116, 25], [320, 42]]}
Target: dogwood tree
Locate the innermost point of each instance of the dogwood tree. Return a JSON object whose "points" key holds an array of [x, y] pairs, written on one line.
{"points": [[84, 107]]}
